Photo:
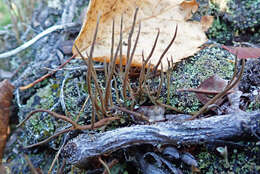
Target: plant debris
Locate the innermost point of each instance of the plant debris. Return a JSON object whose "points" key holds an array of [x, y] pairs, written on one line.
{"points": [[6, 96], [153, 16], [243, 52]]}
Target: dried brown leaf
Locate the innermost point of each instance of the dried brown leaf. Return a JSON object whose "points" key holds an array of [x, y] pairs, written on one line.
{"points": [[213, 83], [243, 52], [6, 95], [153, 15]]}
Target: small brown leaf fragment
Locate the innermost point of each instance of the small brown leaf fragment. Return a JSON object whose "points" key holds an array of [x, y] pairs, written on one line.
{"points": [[206, 22], [243, 52], [6, 96], [214, 83]]}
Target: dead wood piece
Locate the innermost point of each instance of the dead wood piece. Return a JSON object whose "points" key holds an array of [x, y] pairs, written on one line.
{"points": [[82, 149]]}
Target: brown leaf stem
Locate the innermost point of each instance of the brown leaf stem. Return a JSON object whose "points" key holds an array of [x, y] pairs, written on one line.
{"points": [[203, 91]]}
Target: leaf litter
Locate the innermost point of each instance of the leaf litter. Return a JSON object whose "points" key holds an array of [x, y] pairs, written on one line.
{"points": [[154, 15]]}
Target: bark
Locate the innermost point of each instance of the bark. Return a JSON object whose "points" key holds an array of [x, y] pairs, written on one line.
{"points": [[82, 149]]}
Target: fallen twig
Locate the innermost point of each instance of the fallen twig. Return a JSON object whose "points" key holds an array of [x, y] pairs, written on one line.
{"points": [[46, 75], [36, 38], [81, 150], [104, 164], [74, 126]]}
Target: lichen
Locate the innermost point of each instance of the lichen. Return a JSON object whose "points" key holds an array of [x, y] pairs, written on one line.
{"points": [[40, 126], [191, 72]]}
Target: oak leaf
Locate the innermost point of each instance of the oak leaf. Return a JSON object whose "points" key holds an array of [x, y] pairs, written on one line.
{"points": [[164, 15]]}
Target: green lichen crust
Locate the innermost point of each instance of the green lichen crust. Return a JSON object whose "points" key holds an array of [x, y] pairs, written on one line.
{"points": [[41, 125], [191, 72], [244, 13]]}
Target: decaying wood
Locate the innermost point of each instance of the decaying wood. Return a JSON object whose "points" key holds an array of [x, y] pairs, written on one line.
{"points": [[82, 149]]}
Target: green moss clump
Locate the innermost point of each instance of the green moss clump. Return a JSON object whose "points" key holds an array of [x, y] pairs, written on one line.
{"points": [[220, 31], [240, 22]]}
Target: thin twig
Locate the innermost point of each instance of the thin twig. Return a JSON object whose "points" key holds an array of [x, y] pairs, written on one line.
{"points": [[74, 126], [168, 77], [61, 169], [104, 164], [160, 84], [57, 155], [136, 114], [112, 46], [203, 91], [169, 107], [127, 68], [111, 164], [88, 78], [121, 50], [112, 69], [59, 116], [49, 138], [36, 38], [82, 108], [46, 75], [92, 73]]}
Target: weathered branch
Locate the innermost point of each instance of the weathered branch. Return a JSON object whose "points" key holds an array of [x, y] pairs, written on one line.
{"points": [[83, 148]]}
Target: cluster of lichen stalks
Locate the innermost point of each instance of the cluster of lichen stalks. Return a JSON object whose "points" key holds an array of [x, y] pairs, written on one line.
{"points": [[101, 96]]}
